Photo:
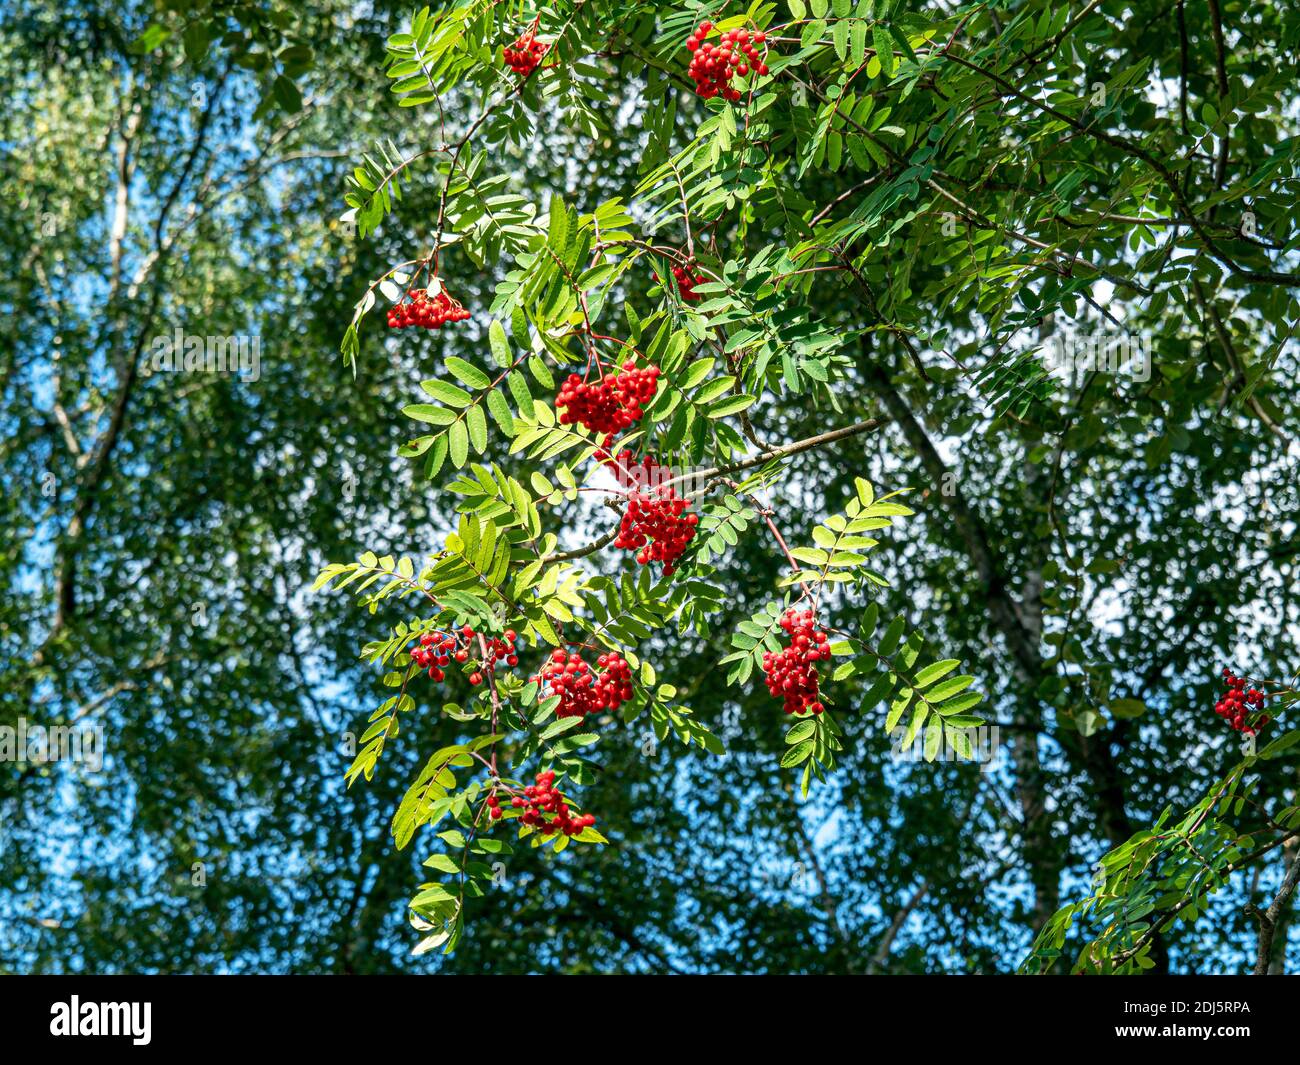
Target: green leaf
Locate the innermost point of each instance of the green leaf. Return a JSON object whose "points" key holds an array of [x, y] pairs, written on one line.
{"points": [[932, 673], [196, 41], [150, 39], [458, 444], [500, 411], [812, 555], [476, 425], [697, 372], [730, 405], [499, 345], [884, 47], [446, 392], [558, 236], [287, 94], [957, 705], [881, 688], [889, 641], [1284, 742], [897, 708], [948, 688], [468, 374], [427, 412], [717, 387], [1128, 708], [959, 741], [519, 389], [933, 738]]}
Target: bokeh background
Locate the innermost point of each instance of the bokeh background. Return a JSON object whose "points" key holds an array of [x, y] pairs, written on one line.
{"points": [[159, 533]]}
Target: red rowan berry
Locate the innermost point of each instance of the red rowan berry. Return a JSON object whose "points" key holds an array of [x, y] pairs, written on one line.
{"points": [[610, 405], [427, 312], [526, 53], [687, 277], [436, 649], [581, 691], [544, 798], [792, 672], [1238, 702], [658, 526], [713, 66]]}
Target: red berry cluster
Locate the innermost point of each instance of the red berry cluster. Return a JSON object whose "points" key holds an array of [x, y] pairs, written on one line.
{"points": [[581, 691], [658, 525], [713, 66], [792, 672], [618, 465], [1235, 703], [641, 475], [523, 56], [541, 799], [428, 312], [611, 404], [437, 649], [497, 648], [687, 277]]}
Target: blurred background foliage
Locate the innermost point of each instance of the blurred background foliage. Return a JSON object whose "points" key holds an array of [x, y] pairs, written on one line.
{"points": [[158, 531]]}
